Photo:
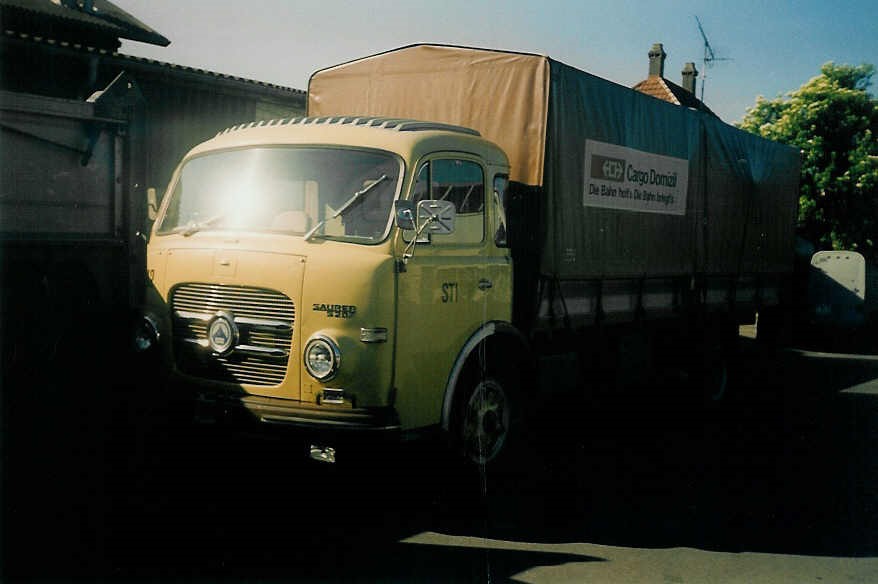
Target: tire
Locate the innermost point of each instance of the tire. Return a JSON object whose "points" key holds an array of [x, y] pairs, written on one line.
{"points": [[486, 415], [713, 375], [715, 381]]}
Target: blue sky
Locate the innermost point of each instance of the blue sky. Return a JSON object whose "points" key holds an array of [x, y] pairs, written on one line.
{"points": [[772, 46]]}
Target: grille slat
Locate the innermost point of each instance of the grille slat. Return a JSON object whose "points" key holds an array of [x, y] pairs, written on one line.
{"points": [[238, 301], [262, 300], [267, 340], [244, 302], [243, 308]]}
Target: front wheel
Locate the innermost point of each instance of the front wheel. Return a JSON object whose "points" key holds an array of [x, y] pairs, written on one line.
{"points": [[485, 410], [485, 421]]}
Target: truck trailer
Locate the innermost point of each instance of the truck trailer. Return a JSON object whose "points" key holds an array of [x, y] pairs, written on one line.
{"points": [[446, 221], [71, 207]]}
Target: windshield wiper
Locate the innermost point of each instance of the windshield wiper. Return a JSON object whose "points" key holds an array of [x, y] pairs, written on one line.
{"points": [[347, 205], [194, 227]]}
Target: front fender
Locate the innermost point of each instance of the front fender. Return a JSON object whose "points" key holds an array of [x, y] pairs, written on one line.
{"points": [[494, 331]]}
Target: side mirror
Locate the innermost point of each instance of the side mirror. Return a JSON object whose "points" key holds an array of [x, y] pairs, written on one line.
{"points": [[405, 214], [436, 217], [432, 217], [152, 204]]}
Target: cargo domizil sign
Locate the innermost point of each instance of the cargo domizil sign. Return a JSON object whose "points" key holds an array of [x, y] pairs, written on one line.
{"points": [[623, 178]]}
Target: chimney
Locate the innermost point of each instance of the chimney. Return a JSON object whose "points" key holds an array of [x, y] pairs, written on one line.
{"points": [[689, 75], [657, 60]]}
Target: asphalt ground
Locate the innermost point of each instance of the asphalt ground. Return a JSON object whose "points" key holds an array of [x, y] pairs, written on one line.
{"points": [[635, 485]]}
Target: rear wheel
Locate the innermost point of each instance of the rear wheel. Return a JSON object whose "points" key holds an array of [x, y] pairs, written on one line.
{"points": [[714, 379], [718, 350]]}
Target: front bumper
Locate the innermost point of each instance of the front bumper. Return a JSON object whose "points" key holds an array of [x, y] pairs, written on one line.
{"points": [[248, 409]]}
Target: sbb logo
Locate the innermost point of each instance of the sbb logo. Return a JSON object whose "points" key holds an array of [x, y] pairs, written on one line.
{"points": [[613, 169], [604, 168]]}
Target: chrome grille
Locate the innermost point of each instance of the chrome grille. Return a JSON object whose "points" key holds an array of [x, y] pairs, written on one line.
{"points": [[252, 302], [264, 319]]}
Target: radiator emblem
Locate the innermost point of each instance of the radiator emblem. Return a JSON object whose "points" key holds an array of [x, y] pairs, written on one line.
{"points": [[222, 333]]}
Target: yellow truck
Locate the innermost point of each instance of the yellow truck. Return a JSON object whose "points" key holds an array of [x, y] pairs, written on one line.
{"points": [[416, 252]]}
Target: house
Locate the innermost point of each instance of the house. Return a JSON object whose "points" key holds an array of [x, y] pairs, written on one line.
{"points": [[656, 85]]}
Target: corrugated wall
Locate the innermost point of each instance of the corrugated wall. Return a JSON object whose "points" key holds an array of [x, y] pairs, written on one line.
{"points": [[185, 107], [178, 118]]}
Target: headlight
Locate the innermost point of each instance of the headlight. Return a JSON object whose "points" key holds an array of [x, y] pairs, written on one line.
{"points": [[146, 334], [322, 358]]}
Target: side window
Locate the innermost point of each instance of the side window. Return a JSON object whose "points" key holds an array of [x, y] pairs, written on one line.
{"points": [[422, 184], [463, 183], [501, 183]]}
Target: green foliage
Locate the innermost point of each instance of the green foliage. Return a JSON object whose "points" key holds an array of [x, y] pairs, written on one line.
{"points": [[833, 120]]}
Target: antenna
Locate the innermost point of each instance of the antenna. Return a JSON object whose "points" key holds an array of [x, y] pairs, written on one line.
{"points": [[709, 56]]}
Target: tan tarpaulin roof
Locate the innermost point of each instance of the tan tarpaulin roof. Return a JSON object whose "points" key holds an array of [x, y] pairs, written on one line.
{"points": [[464, 86]]}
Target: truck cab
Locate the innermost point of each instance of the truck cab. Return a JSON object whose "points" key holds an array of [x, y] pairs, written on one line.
{"points": [[332, 273]]}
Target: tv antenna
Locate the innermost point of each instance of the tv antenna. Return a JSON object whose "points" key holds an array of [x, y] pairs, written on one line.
{"points": [[709, 56]]}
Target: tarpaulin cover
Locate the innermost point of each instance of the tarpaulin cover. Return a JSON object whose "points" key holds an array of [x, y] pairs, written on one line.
{"points": [[502, 95], [632, 185]]}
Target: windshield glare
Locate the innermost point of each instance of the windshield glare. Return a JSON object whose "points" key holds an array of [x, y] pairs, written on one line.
{"points": [[286, 190]]}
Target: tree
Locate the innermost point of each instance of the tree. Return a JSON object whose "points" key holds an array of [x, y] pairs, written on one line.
{"points": [[833, 120]]}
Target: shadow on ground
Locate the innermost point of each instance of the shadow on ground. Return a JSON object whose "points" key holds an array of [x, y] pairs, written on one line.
{"points": [[789, 466]]}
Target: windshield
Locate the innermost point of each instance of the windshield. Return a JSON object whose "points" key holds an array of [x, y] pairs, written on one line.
{"points": [[324, 192]]}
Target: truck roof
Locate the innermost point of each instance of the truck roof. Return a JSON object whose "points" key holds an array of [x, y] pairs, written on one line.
{"points": [[406, 137]]}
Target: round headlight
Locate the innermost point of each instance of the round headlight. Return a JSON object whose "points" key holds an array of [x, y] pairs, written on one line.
{"points": [[322, 358]]}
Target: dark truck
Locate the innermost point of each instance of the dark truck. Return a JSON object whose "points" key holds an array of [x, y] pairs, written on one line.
{"points": [[75, 188], [71, 210]]}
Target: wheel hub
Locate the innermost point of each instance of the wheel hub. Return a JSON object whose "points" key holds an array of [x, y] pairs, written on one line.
{"points": [[486, 422]]}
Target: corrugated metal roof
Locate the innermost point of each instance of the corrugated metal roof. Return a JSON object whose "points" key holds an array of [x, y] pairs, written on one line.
{"points": [[99, 15], [149, 63], [205, 72]]}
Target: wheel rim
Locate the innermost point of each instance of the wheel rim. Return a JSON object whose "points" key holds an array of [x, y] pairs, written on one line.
{"points": [[485, 422]]}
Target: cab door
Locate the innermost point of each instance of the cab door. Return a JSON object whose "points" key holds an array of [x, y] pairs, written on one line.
{"points": [[451, 285]]}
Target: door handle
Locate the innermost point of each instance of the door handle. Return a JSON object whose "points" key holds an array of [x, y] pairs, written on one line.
{"points": [[485, 284]]}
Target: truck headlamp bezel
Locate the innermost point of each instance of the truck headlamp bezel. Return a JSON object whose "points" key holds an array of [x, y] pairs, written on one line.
{"points": [[322, 357]]}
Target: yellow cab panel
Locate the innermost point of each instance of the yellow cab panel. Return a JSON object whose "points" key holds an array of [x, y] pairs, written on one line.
{"points": [[284, 285]]}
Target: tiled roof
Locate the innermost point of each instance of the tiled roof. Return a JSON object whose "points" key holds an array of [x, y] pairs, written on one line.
{"points": [[661, 88], [99, 15]]}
